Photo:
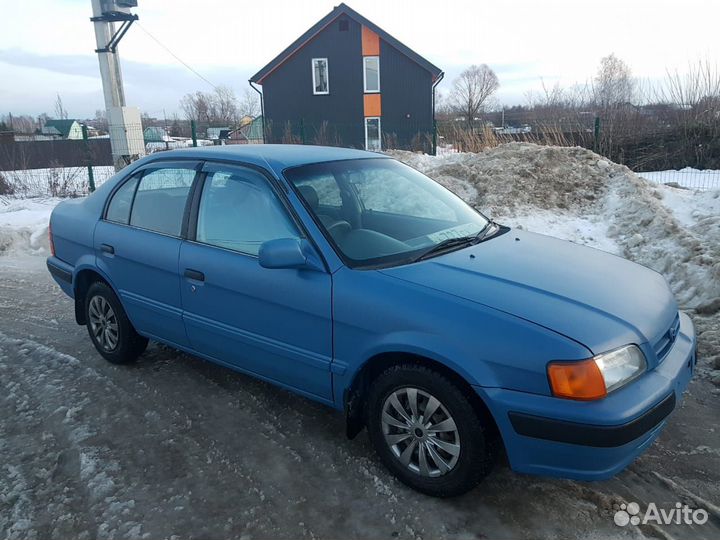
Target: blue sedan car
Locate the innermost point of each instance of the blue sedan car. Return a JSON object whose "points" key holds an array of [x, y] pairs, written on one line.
{"points": [[356, 281]]}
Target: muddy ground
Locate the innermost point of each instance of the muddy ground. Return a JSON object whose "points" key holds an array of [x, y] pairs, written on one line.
{"points": [[174, 447]]}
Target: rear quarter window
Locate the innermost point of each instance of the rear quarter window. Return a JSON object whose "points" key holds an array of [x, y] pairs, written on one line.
{"points": [[121, 202]]}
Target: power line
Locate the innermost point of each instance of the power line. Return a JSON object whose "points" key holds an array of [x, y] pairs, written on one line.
{"points": [[175, 56]]}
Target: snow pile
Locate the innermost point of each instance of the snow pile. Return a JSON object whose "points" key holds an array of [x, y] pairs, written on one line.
{"points": [[576, 194], [24, 224]]}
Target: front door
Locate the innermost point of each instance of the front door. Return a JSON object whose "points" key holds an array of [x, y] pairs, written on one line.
{"points": [[137, 244], [275, 323]]}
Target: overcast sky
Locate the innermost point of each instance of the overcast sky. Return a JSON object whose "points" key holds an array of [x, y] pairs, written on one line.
{"points": [[46, 46]]}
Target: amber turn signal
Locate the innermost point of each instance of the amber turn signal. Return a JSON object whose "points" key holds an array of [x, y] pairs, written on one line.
{"points": [[577, 380]]}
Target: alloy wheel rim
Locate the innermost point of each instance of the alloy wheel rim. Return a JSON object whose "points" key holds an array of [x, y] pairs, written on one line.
{"points": [[103, 323], [420, 432]]}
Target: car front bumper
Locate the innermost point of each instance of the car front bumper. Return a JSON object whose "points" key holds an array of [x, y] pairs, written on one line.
{"points": [[592, 440]]}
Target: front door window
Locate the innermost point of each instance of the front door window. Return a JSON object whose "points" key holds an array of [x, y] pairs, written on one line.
{"points": [[239, 211]]}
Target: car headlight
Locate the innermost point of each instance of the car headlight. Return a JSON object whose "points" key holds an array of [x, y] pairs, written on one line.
{"points": [[621, 366], [596, 377]]}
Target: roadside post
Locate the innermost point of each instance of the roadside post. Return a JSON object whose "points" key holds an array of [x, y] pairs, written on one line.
{"points": [[88, 156]]}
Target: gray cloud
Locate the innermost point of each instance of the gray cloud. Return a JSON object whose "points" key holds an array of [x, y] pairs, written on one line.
{"points": [[153, 88]]}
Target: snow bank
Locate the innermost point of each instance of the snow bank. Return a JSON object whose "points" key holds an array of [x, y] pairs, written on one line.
{"points": [[24, 224], [576, 194]]}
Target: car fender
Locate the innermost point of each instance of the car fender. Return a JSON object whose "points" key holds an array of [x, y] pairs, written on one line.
{"points": [[93, 263], [434, 347]]}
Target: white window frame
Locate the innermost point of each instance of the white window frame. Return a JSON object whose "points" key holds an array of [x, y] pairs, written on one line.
{"points": [[327, 71], [379, 149], [365, 59]]}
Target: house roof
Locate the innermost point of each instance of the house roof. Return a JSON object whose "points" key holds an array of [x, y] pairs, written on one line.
{"points": [[342, 9], [155, 134], [218, 132], [62, 126]]}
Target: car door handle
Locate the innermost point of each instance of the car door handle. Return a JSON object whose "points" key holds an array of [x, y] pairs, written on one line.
{"points": [[194, 274], [107, 248]]}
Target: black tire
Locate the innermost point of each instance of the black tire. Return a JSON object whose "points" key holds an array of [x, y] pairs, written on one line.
{"points": [[128, 344], [475, 456]]}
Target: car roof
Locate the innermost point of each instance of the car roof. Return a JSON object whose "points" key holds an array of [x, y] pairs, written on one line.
{"points": [[277, 157]]}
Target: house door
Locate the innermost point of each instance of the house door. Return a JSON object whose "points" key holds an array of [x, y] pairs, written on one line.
{"points": [[373, 141]]}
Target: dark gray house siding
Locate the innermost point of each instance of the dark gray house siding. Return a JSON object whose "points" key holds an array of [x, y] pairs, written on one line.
{"points": [[289, 99], [404, 105], [407, 106]]}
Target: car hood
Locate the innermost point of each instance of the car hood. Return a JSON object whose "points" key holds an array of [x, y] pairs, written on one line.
{"points": [[595, 298]]}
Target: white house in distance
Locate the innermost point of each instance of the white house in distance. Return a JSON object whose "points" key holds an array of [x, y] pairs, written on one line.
{"points": [[63, 129]]}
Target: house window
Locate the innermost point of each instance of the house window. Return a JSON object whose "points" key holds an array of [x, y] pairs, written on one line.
{"points": [[372, 134], [321, 83], [371, 74]]}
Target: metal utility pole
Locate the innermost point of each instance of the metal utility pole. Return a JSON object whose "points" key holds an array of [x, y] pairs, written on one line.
{"points": [[107, 57], [126, 136]]}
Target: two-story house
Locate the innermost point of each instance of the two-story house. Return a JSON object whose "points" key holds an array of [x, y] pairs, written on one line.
{"points": [[347, 82]]}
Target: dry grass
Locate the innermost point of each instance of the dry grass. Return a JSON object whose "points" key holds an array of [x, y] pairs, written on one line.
{"points": [[54, 181], [478, 140]]}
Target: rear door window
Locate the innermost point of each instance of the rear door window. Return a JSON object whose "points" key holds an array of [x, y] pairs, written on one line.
{"points": [[160, 200]]}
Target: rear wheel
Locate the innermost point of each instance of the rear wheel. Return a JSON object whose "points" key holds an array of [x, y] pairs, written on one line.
{"points": [[109, 328], [426, 431]]}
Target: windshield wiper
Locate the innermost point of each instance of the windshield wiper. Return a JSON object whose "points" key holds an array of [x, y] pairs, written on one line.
{"points": [[488, 230]]}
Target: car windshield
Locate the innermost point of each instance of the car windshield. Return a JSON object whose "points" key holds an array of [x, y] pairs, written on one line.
{"points": [[380, 212]]}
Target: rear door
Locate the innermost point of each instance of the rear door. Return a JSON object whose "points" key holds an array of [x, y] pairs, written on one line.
{"points": [[138, 244], [275, 323]]}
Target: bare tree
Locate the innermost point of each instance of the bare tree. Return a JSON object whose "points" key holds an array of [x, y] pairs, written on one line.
{"points": [[217, 107], [249, 103], [472, 90], [613, 84], [443, 107], [42, 120], [101, 121], [19, 123], [223, 106], [196, 106], [697, 88], [60, 110]]}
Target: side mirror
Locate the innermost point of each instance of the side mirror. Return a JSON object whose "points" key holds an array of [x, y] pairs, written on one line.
{"points": [[288, 253]]}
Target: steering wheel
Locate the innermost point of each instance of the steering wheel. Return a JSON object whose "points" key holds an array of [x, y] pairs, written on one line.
{"points": [[338, 228]]}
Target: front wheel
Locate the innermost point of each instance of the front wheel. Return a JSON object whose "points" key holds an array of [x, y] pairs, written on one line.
{"points": [[426, 431], [109, 327]]}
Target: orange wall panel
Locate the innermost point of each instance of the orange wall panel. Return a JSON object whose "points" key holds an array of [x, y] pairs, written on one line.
{"points": [[373, 105], [370, 42]]}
